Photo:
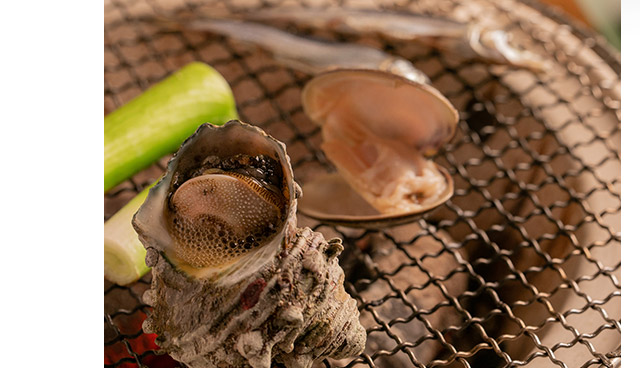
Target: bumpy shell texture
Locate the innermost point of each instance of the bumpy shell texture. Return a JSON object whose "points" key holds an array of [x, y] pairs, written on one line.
{"points": [[281, 303], [291, 313]]}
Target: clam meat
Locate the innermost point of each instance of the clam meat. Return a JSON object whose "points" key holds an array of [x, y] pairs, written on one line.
{"points": [[235, 283], [378, 130]]}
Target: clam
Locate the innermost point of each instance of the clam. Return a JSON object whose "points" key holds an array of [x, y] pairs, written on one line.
{"points": [[379, 131], [235, 283]]}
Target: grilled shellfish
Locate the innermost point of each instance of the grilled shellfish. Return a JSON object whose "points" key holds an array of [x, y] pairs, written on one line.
{"points": [[377, 128], [235, 282]]}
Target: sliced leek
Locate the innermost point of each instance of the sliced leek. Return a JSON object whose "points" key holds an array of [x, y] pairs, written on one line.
{"points": [[156, 122], [123, 253]]}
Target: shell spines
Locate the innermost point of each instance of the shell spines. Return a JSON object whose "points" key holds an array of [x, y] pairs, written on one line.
{"points": [[301, 312]]}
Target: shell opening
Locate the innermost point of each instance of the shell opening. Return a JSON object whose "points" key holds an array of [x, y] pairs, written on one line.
{"points": [[223, 207], [228, 208]]}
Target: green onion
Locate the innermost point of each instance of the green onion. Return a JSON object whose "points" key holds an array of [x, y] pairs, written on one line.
{"points": [[157, 121], [123, 253]]}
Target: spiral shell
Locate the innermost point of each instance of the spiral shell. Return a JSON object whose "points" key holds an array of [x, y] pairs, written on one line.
{"points": [[234, 282], [290, 313]]}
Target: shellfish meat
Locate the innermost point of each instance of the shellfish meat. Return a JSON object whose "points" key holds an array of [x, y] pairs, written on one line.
{"points": [[235, 282]]}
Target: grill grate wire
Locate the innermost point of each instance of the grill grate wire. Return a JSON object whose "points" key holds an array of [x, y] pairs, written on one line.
{"points": [[520, 268]]}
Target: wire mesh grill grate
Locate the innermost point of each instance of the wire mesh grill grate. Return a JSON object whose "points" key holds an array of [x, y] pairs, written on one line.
{"points": [[521, 267]]}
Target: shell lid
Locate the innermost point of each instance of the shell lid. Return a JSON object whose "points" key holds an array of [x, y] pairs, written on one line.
{"points": [[158, 225]]}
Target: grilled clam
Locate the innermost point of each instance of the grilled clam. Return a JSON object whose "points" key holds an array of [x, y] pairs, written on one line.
{"points": [[378, 130], [235, 282]]}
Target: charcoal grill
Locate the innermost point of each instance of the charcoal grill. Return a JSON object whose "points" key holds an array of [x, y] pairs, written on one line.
{"points": [[532, 231]]}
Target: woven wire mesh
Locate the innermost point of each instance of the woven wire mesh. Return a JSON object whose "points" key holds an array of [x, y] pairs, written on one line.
{"points": [[521, 267]]}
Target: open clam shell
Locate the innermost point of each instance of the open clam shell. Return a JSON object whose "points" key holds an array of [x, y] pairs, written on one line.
{"points": [[379, 130]]}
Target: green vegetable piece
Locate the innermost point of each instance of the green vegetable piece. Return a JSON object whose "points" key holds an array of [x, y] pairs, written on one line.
{"points": [[123, 253], [157, 121], [142, 131]]}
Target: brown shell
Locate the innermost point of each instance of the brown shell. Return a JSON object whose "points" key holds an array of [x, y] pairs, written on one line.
{"points": [[383, 101]]}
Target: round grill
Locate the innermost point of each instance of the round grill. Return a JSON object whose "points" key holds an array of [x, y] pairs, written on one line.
{"points": [[521, 268]]}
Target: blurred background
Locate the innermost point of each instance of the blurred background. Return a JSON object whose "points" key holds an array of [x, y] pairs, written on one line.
{"points": [[601, 15]]}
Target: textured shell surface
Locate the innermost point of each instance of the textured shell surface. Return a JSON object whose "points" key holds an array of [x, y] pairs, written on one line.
{"points": [[235, 283], [379, 130]]}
